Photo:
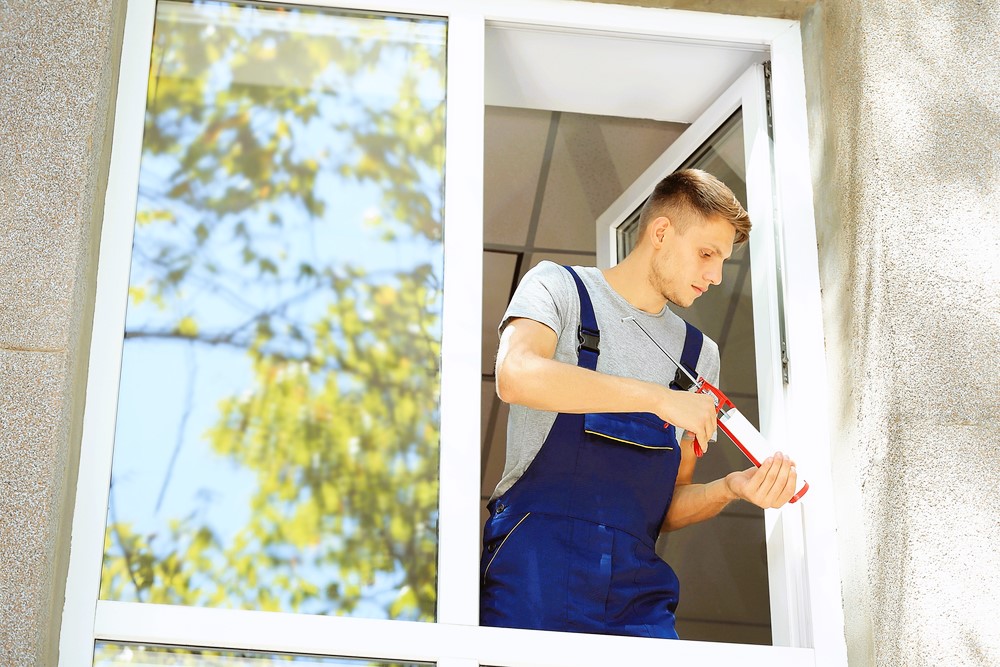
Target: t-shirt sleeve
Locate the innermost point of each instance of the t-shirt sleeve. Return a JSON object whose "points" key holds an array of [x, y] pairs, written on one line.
{"points": [[541, 296]]}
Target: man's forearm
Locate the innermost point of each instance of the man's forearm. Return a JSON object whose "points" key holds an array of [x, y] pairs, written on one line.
{"points": [[528, 375], [693, 503], [553, 386]]}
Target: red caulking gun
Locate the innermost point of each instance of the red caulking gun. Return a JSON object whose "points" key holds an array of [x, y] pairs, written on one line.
{"points": [[736, 426]]}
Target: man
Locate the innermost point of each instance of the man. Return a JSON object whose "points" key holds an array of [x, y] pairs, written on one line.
{"points": [[600, 454]]}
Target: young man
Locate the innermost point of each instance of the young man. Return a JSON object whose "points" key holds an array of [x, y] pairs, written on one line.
{"points": [[600, 453]]}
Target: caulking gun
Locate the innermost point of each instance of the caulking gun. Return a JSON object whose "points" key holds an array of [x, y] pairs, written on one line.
{"points": [[735, 425]]}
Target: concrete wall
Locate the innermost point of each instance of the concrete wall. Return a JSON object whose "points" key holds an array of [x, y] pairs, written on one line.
{"points": [[58, 67], [905, 115], [904, 118]]}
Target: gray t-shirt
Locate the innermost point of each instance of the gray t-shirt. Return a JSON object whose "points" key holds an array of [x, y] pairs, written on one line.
{"points": [[547, 294]]}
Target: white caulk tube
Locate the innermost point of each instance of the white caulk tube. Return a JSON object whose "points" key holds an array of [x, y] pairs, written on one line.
{"points": [[753, 444]]}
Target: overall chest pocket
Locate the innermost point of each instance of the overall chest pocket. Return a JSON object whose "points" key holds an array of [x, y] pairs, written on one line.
{"points": [[639, 429]]}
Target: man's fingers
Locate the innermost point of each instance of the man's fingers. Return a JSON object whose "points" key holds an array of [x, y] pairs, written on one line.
{"points": [[709, 423], [703, 436], [780, 484], [696, 414], [772, 484], [790, 483], [771, 471]]}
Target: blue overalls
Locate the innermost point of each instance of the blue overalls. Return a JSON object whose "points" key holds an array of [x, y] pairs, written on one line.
{"points": [[570, 546]]}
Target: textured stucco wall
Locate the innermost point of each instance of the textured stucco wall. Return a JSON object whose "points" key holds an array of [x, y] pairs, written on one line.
{"points": [[905, 115], [58, 64]]}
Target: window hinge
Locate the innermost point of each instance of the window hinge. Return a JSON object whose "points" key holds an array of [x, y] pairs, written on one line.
{"points": [[767, 98], [784, 360]]}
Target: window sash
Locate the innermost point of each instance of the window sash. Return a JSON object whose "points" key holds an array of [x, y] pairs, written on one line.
{"points": [[456, 640]]}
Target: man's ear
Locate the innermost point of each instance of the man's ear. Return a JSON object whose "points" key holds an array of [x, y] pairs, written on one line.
{"points": [[658, 229]]}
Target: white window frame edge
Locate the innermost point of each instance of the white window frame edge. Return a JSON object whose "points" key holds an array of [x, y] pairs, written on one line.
{"points": [[806, 407], [455, 640]]}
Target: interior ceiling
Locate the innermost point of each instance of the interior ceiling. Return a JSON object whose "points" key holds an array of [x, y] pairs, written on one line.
{"points": [[635, 76], [548, 176]]}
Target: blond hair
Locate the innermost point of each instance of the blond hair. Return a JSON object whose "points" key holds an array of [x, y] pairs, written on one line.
{"points": [[693, 191]]}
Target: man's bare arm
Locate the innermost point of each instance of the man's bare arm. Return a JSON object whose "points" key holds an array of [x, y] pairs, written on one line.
{"points": [[528, 375], [769, 486]]}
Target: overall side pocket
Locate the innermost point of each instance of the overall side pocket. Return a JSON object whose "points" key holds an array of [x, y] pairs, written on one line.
{"points": [[497, 544]]}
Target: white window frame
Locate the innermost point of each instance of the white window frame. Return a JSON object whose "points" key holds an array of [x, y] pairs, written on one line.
{"points": [[455, 640]]}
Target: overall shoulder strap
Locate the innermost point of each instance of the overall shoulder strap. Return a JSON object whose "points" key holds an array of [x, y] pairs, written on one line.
{"points": [[693, 340], [587, 333]]}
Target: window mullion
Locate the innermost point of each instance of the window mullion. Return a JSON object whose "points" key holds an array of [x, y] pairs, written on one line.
{"points": [[458, 551]]}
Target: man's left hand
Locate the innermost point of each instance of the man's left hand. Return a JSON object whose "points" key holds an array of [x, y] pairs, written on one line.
{"points": [[769, 486]]}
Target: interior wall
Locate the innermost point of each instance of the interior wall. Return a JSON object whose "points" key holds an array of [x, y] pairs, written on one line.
{"points": [[904, 115]]}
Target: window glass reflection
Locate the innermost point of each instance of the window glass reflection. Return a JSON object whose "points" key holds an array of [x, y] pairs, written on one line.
{"points": [[134, 655], [277, 433]]}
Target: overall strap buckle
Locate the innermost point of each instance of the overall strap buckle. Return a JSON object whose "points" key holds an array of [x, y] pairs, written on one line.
{"points": [[588, 335], [588, 340], [693, 340]]}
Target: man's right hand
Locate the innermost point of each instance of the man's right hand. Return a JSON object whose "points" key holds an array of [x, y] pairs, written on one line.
{"points": [[695, 413]]}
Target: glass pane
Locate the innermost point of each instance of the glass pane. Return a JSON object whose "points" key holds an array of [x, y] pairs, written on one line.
{"points": [[277, 433], [134, 655]]}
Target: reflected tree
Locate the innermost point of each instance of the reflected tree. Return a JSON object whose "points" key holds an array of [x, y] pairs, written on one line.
{"points": [[259, 142]]}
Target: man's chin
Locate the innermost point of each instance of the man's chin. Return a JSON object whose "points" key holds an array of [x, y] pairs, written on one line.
{"points": [[682, 304]]}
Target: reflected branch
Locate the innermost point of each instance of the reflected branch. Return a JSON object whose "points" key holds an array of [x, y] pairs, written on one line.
{"points": [[179, 441]]}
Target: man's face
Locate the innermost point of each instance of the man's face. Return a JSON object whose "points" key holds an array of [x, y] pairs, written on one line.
{"points": [[689, 262]]}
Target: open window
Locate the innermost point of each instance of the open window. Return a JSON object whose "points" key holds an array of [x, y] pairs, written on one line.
{"points": [[316, 63]]}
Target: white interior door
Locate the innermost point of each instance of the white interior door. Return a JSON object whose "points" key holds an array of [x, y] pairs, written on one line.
{"points": [[743, 315]]}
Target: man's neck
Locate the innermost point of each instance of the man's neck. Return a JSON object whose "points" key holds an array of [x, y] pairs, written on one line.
{"points": [[630, 278]]}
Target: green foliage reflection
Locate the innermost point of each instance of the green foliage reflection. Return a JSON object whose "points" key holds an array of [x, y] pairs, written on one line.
{"points": [[290, 209]]}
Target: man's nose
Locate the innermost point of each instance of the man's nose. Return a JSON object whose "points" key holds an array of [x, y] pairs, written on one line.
{"points": [[714, 274]]}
